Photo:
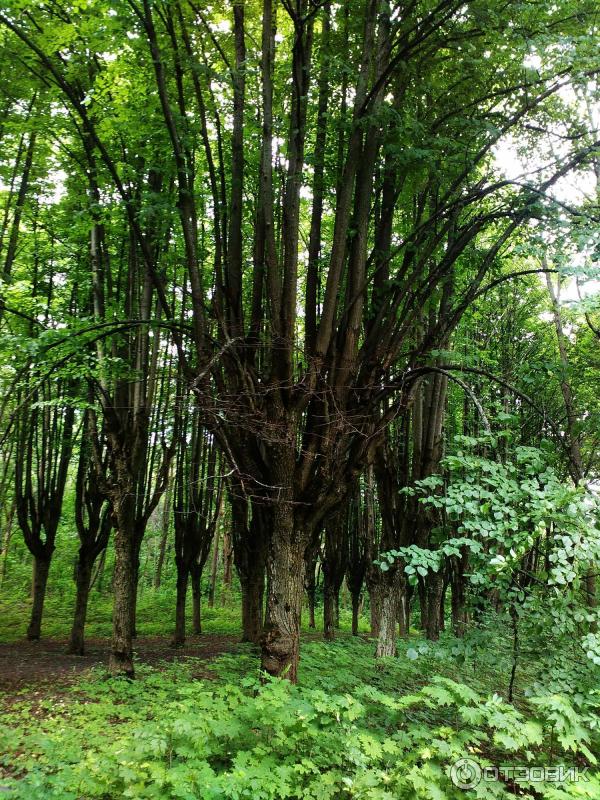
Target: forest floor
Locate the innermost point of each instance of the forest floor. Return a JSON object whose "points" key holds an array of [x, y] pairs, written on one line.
{"points": [[45, 664], [201, 721]]}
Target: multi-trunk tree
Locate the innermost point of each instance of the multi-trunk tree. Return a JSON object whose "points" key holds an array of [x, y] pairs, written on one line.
{"points": [[325, 175]]}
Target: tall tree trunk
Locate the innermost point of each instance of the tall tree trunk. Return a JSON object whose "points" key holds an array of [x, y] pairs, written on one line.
{"points": [[285, 570], [310, 581], [404, 608], [375, 599], [214, 571], [458, 607], [98, 578], [252, 604], [83, 578], [227, 567], [182, 584], [137, 546], [6, 542], [250, 552], [41, 567], [163, 538], [355, 612], [388, 615], [196, 575], [434, 589], [329, 607], [121, 656]]}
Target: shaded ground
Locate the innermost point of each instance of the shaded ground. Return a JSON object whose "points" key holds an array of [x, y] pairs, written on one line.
{"points": [[45, 664]]}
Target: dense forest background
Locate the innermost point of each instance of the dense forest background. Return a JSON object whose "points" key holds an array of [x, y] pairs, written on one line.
{"points": [[299, 327]]}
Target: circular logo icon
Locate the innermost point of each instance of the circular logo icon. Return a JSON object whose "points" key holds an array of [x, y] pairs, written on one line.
{"points": [[465, 773]]}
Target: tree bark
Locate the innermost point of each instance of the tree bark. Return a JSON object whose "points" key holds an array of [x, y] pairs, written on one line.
{"points": [[83, 578], [196, 575], [163, 538], [182, 584], [355, 613], [458, 595], [227, 567], [252, 605], [41, 567], [404, 609], [285, 570], [374, 607], [121, 656], [213, 571], [388, 614], [329, 608], [434, 589]]}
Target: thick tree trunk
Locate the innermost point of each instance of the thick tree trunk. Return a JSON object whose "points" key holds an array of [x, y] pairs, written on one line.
{"points": [[374, 606], [388, 615], [285, 569], [41, 567], [182, 584], [83, 578], [121, 656], [249, 551], [196, 576], [252, 605]]}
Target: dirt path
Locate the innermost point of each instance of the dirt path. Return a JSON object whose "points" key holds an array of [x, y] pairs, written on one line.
{"points": [[45, 664]]}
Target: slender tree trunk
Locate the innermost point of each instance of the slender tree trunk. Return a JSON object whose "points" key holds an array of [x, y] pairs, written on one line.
{"points": [[227, 567], [182, 584], [196, 575], [458, 597], [214, 571], [442, 619], [403, 609], [355, 613], [311, 593], [329, 608], [83, 578], [163, 538], [41, 567], [310, 582], [434, 592], [98, 578], [6, 542]]}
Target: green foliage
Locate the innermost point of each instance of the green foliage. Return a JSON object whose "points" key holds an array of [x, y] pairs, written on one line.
{"points": [[351, 730]]}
